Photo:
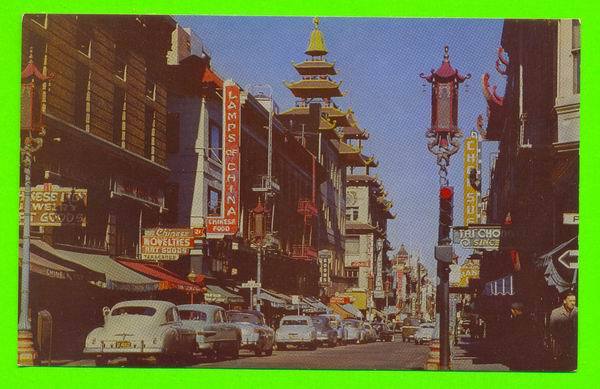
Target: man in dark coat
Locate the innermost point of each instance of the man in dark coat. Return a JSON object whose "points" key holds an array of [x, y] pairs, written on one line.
{"points": [[520, 339], [563, 326]]}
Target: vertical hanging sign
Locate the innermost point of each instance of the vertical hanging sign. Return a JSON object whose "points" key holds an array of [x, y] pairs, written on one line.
{"points": [[471, 181], [228, 222]]}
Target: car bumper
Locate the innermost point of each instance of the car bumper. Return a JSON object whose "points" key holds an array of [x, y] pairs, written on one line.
{"points": [[296, 341], [116, 352]]}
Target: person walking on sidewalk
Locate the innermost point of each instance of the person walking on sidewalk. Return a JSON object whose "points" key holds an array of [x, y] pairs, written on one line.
{"points": [[563, 327], [520, 339]]}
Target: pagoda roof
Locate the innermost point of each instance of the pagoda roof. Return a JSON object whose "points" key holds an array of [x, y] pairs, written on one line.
{"points": [[315, 67], [332, 112], [316, 43], [329, 128], [445, 72], [351, 155], [307, 88], [353, 132], [362, 178]]}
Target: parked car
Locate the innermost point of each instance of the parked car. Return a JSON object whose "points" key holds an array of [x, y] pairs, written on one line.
{"points": [[424, 333], [384, 332], [335, 321], [370, 333], [257, 336], [354, 330], [141, 328], [215, 337], [409, 328], [325, 334], [297, 331]]}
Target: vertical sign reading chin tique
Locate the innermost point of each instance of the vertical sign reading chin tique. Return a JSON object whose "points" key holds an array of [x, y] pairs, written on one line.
{"points": [[227, 224], [471, 162]]}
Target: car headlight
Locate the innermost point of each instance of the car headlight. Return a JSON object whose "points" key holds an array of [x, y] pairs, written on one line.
{"points": [[256, 331], [155, 340], [93, 341]]}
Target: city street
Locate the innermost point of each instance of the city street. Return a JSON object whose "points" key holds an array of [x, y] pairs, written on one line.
{"points": [[379, 355]]}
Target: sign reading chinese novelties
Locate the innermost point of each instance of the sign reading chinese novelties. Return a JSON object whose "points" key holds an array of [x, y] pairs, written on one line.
{"points": [[470, 192], [166, 244], [483, 237], [227, 223], [52, 205]]}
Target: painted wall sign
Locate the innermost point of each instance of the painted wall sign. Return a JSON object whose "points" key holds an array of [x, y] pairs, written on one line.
{"points": [[470, 193], [52, 205], [228, 222], [166, 244]]}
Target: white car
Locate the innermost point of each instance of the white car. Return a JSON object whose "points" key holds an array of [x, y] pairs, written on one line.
{"points": [[141, 328], [297, 331], [215, 336], [424, 333], [355, 333], [256, 335]]}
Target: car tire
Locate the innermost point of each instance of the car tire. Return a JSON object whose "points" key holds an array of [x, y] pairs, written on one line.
{"points": [[133, 361], [269, 352], [312, 346], [281, 346], [258, 351], [164, 360], [101, 361], [235, 350]]}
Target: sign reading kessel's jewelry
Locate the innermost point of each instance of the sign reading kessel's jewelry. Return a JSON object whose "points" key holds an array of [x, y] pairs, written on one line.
{"points": [[484, 237], [52, 205], [166, 244]]}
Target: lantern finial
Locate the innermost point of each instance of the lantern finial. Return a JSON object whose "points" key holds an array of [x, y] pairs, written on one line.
{"points": [[446, 55]]}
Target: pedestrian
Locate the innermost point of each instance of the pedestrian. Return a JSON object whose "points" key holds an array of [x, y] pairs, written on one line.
{"points": [[563, 327], [520, 339]]}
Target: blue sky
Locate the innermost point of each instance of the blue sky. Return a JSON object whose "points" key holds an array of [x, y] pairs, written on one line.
{"points": [[379, 61]]}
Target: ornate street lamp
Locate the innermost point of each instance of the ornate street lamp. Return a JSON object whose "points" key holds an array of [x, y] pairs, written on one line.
{"points": [[443, 142], [33, 132]]}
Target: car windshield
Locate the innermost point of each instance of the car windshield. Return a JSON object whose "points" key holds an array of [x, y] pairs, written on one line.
{"points": [[320, 324], [144, 311], [427, 325], [351, 323], [294, 322], [192, 315], [239, 317]]}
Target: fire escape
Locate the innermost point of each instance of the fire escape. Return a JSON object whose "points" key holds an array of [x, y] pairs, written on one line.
{"points": [[308, 209]]}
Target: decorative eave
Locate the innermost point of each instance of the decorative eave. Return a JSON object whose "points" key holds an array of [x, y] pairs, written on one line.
{"points": [[490, 94], [445, 72], [351, 155], [361, 179], [308, 88], [370, 161], [329, 129], [315, 68], [330, 112], [354, 132]]}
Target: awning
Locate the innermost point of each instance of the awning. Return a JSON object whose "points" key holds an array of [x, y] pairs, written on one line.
{"points": [[167, 279], [47, 268], [274, 301], [353, 310], [336, 308], [117, 276], [216, 294], [500, 287], [315, 306]]}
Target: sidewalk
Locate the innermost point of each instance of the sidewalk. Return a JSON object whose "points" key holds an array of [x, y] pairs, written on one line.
{"points": [[475, 356]]}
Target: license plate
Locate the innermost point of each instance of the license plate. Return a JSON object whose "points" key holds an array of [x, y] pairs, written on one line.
{"points": [[293, 335], [123, 344]]}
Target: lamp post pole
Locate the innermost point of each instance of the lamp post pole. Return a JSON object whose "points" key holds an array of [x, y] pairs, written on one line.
{"points": [[31, 123]]}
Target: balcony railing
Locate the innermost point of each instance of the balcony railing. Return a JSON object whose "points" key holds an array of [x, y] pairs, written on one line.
{"points": [[304, 252], [307, 208], [80, 237]]}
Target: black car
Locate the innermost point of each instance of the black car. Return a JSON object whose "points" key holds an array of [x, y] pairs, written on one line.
{"points": [[384, 332]]}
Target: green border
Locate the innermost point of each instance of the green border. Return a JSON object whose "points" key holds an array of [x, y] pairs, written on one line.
{"points": [[91, 377]]}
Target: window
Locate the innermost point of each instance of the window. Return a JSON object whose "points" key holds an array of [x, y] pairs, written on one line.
{"points": [[149, 133], [120, 63], [215, 141], [82, 97], [351, 213], [150, 88], [219, 317], [41, 19], [84, 40], [119, 117], [576, 53], [170, 316], [352, 245], [172, 202], [173, 126], [214, 202]]}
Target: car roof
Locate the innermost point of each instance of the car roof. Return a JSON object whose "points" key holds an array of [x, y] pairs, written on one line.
{"points": [[207, 308], [157, 304], [296, 317]]}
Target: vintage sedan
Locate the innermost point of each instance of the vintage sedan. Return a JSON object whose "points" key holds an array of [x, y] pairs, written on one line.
{"points": [[335, 321], [141, 328], [424, 333], [325, 334], [216, 338], [355, 332], [256, 335], [297, 331], [384, 332], [370, 332]]}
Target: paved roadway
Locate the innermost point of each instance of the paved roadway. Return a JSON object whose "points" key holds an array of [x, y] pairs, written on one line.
{"points": [[379, 355]]}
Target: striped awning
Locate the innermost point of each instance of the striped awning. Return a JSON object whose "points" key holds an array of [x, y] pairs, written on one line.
{"points": [[500, 287], [216, 294]]}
